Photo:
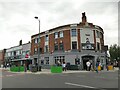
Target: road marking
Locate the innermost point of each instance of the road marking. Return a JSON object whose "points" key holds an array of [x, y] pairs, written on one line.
{"points": [[1, 76], [9, 75], [99, 77], [104, 77], [63, 75], [13, 75], [73, 84], [84, 86], [80, 76]]}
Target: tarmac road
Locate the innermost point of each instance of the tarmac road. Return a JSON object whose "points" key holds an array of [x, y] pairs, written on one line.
{"points": [[91, 80]]}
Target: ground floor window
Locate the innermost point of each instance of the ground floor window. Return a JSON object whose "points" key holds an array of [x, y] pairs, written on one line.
{"points": [[77, 61], [47, 60], [61, 59], [42, 62]]}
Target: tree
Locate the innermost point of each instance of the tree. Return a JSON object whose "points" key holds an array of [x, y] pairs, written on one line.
{"points": [[114, 51]]}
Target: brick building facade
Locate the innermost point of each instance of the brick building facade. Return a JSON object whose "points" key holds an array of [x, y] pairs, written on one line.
{"points": [[2, 53], [72, 43]]}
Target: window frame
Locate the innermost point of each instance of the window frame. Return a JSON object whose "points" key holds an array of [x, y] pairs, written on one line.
{"points": [[73, 32], [61, 34], [61, 46], [56, 45], [56, 35]]}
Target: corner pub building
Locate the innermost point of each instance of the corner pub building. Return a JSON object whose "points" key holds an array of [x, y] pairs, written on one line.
{"points": [[73, 43]]}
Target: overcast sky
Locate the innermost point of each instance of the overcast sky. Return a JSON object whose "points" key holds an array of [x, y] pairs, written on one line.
{"points": [[17, 18]]}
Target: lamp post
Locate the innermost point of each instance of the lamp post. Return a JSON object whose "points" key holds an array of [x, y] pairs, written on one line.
{"points": [[38, 41]]}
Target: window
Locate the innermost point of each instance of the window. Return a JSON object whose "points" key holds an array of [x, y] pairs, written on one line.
{"points": [[61, 34], [56, 35], [73, 32], [77, 61], [9, 54], [98, 34], [14, 53], [74, 45], [56, 47], [18, 52], [98, 46], [47, 60], [35, 51], [46, 48], [61, 46], [42, 62], [61, 59], [36, 40], [46, 38], [40, 50]]}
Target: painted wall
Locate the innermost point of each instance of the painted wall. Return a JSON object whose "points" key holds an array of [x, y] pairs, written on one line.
{"points": [[87, 38]]}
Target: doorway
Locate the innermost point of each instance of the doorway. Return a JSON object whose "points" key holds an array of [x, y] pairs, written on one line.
{"points": [[86, 59]]}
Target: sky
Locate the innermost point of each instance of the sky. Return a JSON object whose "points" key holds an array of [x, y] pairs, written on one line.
{"points": [[17, 18]]}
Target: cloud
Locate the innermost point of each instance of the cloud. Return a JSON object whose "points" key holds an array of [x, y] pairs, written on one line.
{"points": [[17, 18]]}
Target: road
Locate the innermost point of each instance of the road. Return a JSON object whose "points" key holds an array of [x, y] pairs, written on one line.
{"points": [[92, 80]]}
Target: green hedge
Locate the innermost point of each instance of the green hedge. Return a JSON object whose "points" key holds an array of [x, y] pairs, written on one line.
{"points": [[56, 69], [17, 69]]}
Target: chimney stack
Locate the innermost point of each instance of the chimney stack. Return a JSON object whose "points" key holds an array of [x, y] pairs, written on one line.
{"points": [[84, 18], [20, 43]]}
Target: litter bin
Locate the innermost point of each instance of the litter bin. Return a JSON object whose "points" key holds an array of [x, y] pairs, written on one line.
{"points": [[34, 68], [39, 68], [110, 67]]}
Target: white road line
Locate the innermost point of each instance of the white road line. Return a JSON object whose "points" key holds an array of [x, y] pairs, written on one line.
{"points": [[80, 76], [73, 84], [84, 86], [1, 76], [64, 75], [9, 75], [99, 77], [104, 77]]}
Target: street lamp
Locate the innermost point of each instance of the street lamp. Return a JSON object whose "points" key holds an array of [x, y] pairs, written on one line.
{"points": [[38, 41]]}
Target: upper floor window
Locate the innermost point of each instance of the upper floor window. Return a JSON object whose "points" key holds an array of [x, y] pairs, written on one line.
{"points": [[98, 46], [35, 50], [47, 60], [42, 62], [9, 54], [46, 38], [56, 47], [98, 34], [56, 35], [46, 48], [61, 47], [17, 52], [73, 33], [74, 45], [36, 40], [61, 34]]}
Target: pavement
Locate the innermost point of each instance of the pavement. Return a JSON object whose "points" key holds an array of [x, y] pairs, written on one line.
{"points": [[47, 71]]}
